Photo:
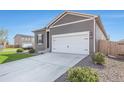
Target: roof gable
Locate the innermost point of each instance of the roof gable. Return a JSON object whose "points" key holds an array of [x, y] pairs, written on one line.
{"points": [[67, 17]]}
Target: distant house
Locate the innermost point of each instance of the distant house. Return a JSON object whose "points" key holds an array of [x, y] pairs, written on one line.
{"points": [[24, 41]]}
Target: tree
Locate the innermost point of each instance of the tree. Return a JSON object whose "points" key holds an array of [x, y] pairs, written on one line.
{"points": [[3, 37]]}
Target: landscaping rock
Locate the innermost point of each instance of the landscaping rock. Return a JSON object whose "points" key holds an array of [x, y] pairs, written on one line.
{"points": [[112, 71]]}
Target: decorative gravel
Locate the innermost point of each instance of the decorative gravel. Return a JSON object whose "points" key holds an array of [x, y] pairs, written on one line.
{"points": [[112, 71]]}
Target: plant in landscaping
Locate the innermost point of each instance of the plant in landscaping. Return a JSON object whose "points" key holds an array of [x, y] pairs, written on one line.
{"points": [[82, 74], [98, 58], [31, 51], [19, 50]]}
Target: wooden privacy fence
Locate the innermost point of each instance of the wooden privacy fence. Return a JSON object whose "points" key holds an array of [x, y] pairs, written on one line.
{"points": [[12, 46], [111, 48]]}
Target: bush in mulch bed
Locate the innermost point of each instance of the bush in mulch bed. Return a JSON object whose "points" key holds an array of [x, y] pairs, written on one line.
{"points": [[98, 58], [32, 51], [82, 74], [20, 50]]}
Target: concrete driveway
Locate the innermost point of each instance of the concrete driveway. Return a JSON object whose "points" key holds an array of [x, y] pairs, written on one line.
{"points": [[42, 68]]}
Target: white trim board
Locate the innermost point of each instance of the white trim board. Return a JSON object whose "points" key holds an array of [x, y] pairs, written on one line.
{"points": [[94, 36], [55, 19], [72, 22], [71, 34], [82, 14]]}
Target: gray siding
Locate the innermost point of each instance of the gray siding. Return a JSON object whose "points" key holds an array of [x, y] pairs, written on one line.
{"points": [[69, 18], [43, 46], [99, 36], [77, 27]]}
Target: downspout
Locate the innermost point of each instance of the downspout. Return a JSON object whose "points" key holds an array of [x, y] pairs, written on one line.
{"points": [[48, 30], [94, 36]]}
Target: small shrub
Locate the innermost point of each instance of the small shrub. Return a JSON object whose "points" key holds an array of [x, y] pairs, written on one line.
{"points": [[120, 54], [31, 51], [82, 74], [19, 50], [28, 48], [98, 58]]}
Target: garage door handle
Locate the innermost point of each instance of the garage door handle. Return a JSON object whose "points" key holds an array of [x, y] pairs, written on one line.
{"points": [[86, 49], [67, 46]]}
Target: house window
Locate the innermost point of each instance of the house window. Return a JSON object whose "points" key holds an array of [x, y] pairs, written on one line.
{"points": [[22, 38], [40, 39], [29, 39], [25, 39]]}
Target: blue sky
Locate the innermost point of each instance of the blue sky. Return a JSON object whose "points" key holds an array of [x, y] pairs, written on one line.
{"points": [[24, 21]]}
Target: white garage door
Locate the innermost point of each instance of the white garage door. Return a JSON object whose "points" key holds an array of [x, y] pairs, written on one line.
{"points": [[77, 43], [27, 45]]}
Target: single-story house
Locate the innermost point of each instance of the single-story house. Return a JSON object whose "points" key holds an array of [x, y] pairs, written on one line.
{"points": [[24, 41], [71, 32]]}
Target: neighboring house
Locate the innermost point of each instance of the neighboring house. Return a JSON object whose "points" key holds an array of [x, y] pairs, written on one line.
{"points": [[24, 41], [71, 32]]}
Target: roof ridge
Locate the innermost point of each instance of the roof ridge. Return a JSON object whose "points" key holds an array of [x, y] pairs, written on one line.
{"points": [[68, 11], [23, 35]]}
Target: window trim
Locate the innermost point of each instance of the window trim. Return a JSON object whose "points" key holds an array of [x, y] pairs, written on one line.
{"points": [[40, 41]]}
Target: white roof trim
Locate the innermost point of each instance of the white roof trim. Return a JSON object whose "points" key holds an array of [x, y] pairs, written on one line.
{"points": [[59, 19], [55, 19], [82, 14], [72, 13]]}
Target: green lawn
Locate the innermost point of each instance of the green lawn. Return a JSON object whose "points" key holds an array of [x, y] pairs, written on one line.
{"points": [[10, 54], [10, 49]]}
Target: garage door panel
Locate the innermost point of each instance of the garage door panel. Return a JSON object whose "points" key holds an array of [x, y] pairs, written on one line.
{"points": [[59, 45], [78, 43]]}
